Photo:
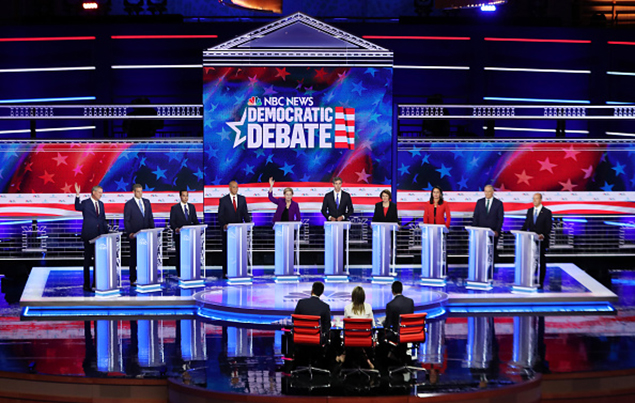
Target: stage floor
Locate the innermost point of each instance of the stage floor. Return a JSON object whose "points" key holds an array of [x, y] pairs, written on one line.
{"points": [[57, 292]]}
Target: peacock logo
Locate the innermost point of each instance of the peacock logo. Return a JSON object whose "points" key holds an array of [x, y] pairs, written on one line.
{"points": [[254, 101]]}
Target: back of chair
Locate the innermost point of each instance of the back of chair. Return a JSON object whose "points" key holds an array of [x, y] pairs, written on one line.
{"points": [[358, 332], [307, 329], [412, 328]]}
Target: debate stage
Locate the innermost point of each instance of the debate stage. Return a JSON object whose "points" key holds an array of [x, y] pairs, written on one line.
{"points": [[57, 293]]}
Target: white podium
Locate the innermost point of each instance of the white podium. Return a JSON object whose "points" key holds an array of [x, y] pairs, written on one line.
{"points": [[192, 255], [382, 248], [109, 347], [433, 254], [525, 350], [238, 248], [527, 261], [107, 264], [287, 242], [335, 246], [150, 343], [480, 269], [149, 259]]}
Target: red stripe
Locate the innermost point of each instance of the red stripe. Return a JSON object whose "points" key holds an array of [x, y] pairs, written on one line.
{"points": [[535, 40], [162, 36], [620, 43], [425, 38], [52, 38]]}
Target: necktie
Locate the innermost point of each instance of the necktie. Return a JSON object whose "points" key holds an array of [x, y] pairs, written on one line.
{"points": [[234, 203], [535, 215], [187, 216], [487, 206], [337, 200], [97, 207], [143, 213]]}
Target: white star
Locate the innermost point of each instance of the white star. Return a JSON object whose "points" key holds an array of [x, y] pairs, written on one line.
{"points": [[234, 125]]}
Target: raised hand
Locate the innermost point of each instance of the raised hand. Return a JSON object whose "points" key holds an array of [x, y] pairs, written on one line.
{"points": [[77, 189], [271, 182]]}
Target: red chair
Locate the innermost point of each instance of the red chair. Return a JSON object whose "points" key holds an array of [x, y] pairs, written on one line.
{"points": [[412, 330], [307, 331], [358, 333]]}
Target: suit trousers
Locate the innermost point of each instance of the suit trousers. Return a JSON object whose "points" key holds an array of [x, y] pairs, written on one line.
{"points": [[133, 260], [224, 252], [177, 247], [543, 262], [89, 259]]}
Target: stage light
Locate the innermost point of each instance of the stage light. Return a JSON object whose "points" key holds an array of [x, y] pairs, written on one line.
{"points": [[540, 100], [90, 5], [488, 7]]}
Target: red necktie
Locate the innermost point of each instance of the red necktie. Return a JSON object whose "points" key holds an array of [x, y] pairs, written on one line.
{"points": [[234, 202]]}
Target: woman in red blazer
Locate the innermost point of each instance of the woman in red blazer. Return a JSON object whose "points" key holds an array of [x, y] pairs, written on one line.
{"points": [[437, 211]]}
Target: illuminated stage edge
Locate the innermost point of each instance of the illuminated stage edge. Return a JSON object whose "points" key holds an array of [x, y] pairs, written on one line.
{"points": [[266, 303]]}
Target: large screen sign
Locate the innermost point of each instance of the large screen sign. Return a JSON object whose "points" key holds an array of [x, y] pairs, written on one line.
{"points": [[300, 125]]}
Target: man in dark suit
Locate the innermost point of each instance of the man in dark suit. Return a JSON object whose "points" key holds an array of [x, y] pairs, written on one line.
{"points": [[337, 204], [314, 306], [232, 209], [489, 213], [181, 214], [539, 220], [137, 215], [93, 225], [399, 305]]}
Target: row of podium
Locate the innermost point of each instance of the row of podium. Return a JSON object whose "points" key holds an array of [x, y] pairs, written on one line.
{"points": [[287, 253]]}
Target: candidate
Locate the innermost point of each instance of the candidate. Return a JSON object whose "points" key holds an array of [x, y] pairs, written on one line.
{"points": [[539, 220], [232, 209], [93, 225], [337, 204], [181, 214], [137, 215]]}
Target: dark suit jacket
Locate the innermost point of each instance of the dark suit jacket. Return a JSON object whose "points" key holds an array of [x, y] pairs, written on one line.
{"points": [[294, 209], [317, 307], [133, 220], [399, 305], [93, 224], [493, 220], [378, 215], [226, 213], [329, 207], [177, 216], [542, 225]]}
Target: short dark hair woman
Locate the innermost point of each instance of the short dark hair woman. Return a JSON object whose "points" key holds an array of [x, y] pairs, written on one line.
{"points": [[385, 210]]}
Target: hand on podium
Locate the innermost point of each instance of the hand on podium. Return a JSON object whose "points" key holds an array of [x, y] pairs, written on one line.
{"points": [[340, 218], [133, 235]]}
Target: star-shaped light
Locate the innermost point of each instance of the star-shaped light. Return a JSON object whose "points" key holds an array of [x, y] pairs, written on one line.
{"points": [[47, 177], [426, 159], [633, 181], [121, 184], [523, 177], [269, 159], [363, 176], [358, 88], [571, 153], [211, 152], [60, 160], [319, 74], [444, 171], [370, 71], [78, 170], [374, 117], [224, 133], [253, 80], [260, 152], [160, 173], [282, 73], [462, 183], [588, 172], [27, 166], [607, 187], [568, 186], [619, 169], [184, 163], [415, 150], [474, 161], [429, 187], [342, 76], [546, 165], [238, 140], [248, 169], [308, 90], [142, 162], [404, 169], [148, 189], [66, 188], [415, 178], [305, 178], [173, 155], [287, 169], [329, 96], [270, 91]]}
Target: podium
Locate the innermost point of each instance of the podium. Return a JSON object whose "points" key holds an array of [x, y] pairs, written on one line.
{"points": [[480, 268], [526, 262], [433, 254], [382, 247], [286, 245], [107, 264], [334, 248], [192, 255], [150, 344], [149, 259], [108, 346], [238, 253], [525, 351]]}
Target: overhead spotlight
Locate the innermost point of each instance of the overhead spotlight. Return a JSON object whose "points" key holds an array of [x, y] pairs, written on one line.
{"points": [[488, 7], [90, 5]]}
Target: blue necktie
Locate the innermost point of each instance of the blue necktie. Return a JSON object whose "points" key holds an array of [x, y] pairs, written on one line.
{"points": [[535, 215], [187, 216], [143, 213], [487, 206], [337, 201]]}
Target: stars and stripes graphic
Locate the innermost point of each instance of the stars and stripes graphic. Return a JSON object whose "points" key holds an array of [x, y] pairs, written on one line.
{"points": [[345, 128]]}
